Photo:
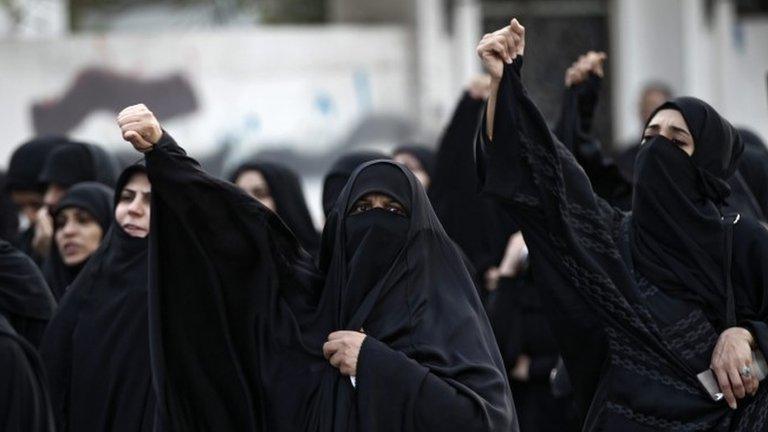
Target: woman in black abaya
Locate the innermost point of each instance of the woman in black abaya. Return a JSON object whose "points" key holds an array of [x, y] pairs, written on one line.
{"points": [[279, 189], [641, 302], [80, 222], [96, 349], [241, 321]]}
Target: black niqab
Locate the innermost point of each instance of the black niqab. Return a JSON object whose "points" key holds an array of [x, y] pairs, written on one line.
{"points": [[285, 187], [96, 350], [339, 173], [94, 198], [243, 349]]}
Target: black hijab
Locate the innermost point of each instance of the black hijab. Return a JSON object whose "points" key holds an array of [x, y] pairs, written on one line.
{"points": [[27, 162], [76, 162], [94, 198], [425, 156], [96, 349], [678, 238], [25, 298], [339, 173], [285, 187], [243, 349]]}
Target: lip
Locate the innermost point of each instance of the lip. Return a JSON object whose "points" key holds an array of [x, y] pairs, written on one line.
{"points": [[71, 248], [133, 229]]}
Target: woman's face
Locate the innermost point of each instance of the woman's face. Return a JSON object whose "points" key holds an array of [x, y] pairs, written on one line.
{"points": [[670, 124], [78, 235], [376, 200], [254, 183], [413, 164], [132, 211]]}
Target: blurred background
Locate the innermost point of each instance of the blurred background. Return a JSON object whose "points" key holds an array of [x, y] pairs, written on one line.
{"points": [[303, 81]]}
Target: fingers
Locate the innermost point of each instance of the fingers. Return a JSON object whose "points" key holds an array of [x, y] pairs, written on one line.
{"points": [[519, 31], [737, 385], [725, 386], [330, 348], [135, 138]]}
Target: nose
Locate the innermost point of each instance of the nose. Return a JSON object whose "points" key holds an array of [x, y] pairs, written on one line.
{"points": [[69, 229], [136, 208]]}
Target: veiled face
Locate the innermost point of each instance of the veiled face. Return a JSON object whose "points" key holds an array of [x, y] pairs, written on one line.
{"points": [[133, 206], [413, 164], [670, 124], [376, 200], [255, 185], [78, 235]]}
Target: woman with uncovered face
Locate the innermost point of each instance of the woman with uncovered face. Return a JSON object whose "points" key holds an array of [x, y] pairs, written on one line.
{"points": [[96, 348], [80, 222]]}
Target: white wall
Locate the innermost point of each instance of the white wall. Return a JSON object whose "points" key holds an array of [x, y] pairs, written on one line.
{"points": [[254, 86]]}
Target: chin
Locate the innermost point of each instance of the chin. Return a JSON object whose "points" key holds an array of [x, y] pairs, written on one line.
{"points": [[75, 260]]}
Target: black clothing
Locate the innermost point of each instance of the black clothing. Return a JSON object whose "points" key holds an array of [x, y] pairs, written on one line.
{"points": [[285, 187], [238, 317], [9, 213], [96, 349], [632, 345], [96, 200], [339, 173], [24, 405], [25, 299], [75, 162], [28, 160]]}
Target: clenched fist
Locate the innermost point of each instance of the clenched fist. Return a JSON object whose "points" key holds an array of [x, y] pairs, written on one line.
{"points": [[501, 46], [343, 349], [139, 127], [591, 62]]}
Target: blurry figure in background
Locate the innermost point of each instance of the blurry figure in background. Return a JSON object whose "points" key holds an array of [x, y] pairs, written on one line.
{"points": [[96, 349], [24, 403], [476, 224], [279, 189], [653, 95], [25, 299], [419, 159], [81, 219], [339, 173], [754, 167], [9, 215], [69, 164], [23, 183], [528, 346]]}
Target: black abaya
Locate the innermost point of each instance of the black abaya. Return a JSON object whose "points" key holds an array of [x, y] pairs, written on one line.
{"points": [[238, 316], [96, 349], [24, 405], [632, 345], [25, 299], [285, 187]]}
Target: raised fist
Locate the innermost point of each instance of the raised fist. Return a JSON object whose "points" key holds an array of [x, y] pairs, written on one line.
{"points": [[501, 46], [139, 127], [591, 62]]}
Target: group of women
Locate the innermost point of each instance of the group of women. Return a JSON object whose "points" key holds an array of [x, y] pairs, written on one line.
{"points": [[168, 299]]}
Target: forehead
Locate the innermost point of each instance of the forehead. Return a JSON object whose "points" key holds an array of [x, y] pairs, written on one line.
{"points": [[407, 159], [251, 177], [668, 117], [138, 180]]}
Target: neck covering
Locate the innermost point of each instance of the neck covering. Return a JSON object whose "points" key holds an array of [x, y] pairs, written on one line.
{"points": [[285, 188], [76, 162], [678, 235], [339, 173], [94, 198], [96, 350]]}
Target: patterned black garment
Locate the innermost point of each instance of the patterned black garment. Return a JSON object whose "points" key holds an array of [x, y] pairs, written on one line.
{"points": [[636, 318]]}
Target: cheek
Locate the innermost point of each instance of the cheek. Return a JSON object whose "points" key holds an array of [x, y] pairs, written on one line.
{"points": [[121, 211], [269, 203], [92, 238]]}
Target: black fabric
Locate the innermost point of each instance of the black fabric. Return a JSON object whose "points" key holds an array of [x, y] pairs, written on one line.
{"points": [[27, 162], [285, 187], [96, 349], [632, 347], [24, 404], [754, 168], [425, 156], [573, 129], [94, 198], [76, 162], [238, 317], [339, 173], [9, 217], [25, 299], [477, 224]]}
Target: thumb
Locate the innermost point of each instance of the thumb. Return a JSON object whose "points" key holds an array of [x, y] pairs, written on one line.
{"points": [[139, 143]]}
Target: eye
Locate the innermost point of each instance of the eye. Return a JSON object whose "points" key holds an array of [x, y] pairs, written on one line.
{"points": [[360, 207], [396, 210], [126, 196]]}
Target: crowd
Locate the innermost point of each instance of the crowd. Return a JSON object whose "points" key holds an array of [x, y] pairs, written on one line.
{"points": [[515, 278]]}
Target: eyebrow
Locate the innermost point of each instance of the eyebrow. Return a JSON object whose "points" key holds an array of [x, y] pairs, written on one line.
{"points": [[655, 127]]}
